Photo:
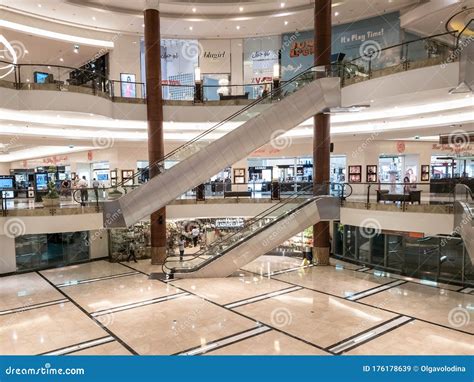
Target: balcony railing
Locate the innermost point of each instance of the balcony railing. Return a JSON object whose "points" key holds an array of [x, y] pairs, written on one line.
{"points": [[422, 52]]}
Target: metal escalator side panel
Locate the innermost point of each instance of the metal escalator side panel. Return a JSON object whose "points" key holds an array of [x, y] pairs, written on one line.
{"points": [[268, 239], [232, 147]]}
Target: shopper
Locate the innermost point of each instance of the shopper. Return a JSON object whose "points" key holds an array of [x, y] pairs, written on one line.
{"points": [[95, 186], [195, 235], [131, 252], [181, 242], [82, 185], [406, 185]]}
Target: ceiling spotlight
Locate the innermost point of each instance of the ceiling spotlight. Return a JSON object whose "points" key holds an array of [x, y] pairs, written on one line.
{"points": [[241, 9], [194, 10], [61, 59], [93, 18], [191, 28], [336, 14], [76, 49], [237, 27], [286, 22], [282, 5], [143, 25], [39, 5], [26, 51]]}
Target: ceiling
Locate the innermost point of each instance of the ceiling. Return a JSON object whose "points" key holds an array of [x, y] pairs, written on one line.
{"points": [[200, 19], [432, 113]]}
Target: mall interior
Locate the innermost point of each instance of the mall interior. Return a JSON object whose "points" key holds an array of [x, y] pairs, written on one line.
{"points": [[172, 184]]}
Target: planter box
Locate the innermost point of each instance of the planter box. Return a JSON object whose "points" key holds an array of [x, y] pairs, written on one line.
{"points": [[47, 202]]}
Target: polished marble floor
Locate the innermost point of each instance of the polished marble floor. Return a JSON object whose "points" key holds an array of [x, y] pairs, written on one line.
{"points": [[274, 305]]}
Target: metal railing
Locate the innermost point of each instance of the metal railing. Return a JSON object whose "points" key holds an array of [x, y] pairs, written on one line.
{"points": [[425, 51]]}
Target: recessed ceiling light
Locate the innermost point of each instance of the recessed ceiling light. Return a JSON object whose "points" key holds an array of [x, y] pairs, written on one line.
{"points": [[241, 9], [194, 10], [39, 5], [26, 51], [61, 59], [143, 25], [336, 13], [93, 18], [282, 5], [237, 27], [191, 28], [286, 22]]}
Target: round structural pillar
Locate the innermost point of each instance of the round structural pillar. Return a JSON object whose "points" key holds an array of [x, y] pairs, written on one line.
{"points": [[154, 102], [322, 133]]}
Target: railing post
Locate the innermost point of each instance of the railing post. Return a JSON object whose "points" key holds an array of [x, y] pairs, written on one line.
{"points": [[19, 77], [370, 67]]}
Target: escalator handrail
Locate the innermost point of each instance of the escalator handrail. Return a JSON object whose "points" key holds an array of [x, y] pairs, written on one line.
{"points": [[237, 243], [460, 187], [270, 95], [255, 219]]}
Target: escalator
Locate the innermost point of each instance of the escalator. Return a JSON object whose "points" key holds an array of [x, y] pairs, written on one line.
{"points": [[262, 234], [238, 136], [463, 217]]}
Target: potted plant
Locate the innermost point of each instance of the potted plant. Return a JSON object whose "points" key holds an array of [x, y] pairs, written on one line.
{"points": [[51, 199]]}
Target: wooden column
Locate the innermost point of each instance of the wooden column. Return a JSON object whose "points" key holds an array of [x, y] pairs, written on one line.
{"points": [[322, 138], [156, 150]]}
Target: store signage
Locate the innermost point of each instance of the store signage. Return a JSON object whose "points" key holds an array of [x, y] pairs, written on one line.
{"points": [[169, 56], [215, 57], [54, 159], [461, 149], [229, 223], [264, 55], [401, 147]]}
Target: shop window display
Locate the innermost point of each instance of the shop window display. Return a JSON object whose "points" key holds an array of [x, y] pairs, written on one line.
{"points": [[47, 250]]}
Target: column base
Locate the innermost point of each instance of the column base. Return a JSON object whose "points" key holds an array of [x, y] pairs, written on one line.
{"points": [[321, 255], [158, 255]]}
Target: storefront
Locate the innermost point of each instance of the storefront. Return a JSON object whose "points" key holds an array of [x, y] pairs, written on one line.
{"points": [[260, 57], [49, 250]]}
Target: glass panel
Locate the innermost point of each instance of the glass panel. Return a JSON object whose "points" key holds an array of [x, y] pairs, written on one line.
{"points": [[276, 213], [250, 111], [394, 252], [451, 259], [422, 256], [47, 250]]}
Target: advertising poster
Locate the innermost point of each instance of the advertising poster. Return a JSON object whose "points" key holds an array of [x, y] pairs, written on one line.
{"points": [[127, 84], [355, 39]]}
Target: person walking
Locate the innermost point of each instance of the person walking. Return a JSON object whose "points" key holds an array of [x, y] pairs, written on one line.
{"points": [[195, 235], [95, 186], [131, 252], [82, 185], [181, 243]]}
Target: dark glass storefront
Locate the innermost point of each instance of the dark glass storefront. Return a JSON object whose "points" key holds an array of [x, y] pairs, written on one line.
{"points": [[438, 258], [50, 250]]}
